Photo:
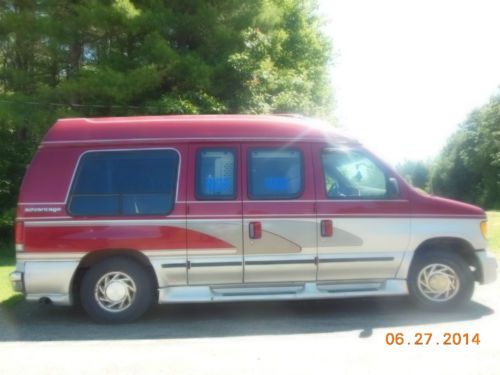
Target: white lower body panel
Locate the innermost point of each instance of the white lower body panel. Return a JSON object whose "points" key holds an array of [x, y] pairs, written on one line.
{"points": [[49, 279], [295, 291]]}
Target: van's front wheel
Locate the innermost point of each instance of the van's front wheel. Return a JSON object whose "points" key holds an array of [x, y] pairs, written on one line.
{"points": [[440, 281], [116, 290]]}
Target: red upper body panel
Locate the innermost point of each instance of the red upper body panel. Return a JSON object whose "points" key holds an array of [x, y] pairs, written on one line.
{"points": [[423, 204], [46, 184], [154, 129]]}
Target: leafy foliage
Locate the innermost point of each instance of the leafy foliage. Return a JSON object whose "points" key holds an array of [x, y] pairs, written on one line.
{"points": [[415, 172], [469, 166], [61, 58]]}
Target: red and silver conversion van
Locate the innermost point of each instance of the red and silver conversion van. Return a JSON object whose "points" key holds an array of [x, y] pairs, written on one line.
{"points": [[121, 213]]}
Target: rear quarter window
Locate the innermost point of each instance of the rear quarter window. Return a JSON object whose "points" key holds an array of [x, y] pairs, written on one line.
{"points": [[122, 183]]}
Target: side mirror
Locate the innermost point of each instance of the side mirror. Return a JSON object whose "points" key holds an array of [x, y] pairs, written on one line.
{"points": [[392, 187]]}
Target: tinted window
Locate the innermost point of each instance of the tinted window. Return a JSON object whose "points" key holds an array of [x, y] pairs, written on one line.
{"points": [[351, 174], [216, 174], [125, 183], [275, 173]]}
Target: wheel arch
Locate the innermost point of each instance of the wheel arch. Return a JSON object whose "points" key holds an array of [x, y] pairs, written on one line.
{"points": [[97, 256], [456, 245]]}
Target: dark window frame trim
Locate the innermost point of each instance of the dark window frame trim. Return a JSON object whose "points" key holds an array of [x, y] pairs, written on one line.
{"points": [[302, 189], [198, 196], [77, 171], [384, 197]]}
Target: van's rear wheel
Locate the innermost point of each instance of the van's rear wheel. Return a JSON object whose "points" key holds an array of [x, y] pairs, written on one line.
{"points": [[116, 290], [440, 281]]}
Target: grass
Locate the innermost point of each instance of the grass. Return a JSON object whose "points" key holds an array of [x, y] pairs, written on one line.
{"points": [[7, 265], [7, 261]]}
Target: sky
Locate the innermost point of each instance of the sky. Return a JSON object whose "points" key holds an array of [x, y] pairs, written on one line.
{"points": [[407, 73]]}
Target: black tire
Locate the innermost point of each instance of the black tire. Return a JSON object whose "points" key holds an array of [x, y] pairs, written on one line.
{"points": [[451, 260], [140, 303]]}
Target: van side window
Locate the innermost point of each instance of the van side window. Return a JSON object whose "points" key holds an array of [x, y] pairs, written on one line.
{"points": [[275, 173], [350, 174], [114, 183], [216, 174]]}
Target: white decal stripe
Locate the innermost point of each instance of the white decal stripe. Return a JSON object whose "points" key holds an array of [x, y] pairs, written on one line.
{"points": [[37, 203], [33, 218], [55, 256], [184, 252], [238, 201], [63, 256], [173, 140], [264, 219], [99, 222], [54, 221]]}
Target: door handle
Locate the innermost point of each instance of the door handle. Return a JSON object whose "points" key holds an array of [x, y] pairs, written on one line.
{"points": [[326, 228], [255, 229]]}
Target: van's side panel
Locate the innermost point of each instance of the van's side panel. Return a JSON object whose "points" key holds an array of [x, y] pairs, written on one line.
{"points": [[287, 249], [214, 232], [50, 229], [369, 238]]}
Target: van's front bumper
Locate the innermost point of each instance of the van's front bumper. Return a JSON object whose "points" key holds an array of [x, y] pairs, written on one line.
{"points": [[17, 281], [487, 266]]}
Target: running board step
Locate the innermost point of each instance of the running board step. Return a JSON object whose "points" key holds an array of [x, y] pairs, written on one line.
{"points": [[308, 290], [350, 287], [256, 290]]}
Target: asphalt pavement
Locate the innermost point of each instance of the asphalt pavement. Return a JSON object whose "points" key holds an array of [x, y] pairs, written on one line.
{"points": [[298, 337]]}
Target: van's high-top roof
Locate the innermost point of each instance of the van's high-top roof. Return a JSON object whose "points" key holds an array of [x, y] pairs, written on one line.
{"points": [[151, 129]]}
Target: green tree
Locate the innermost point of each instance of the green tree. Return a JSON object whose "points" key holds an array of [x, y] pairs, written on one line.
{"points": [[415, 172], [469, 166], [61, 58]]}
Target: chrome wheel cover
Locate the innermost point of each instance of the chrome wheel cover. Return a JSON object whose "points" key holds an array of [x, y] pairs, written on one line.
{"points": [[115, 291], [438, 282]]}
